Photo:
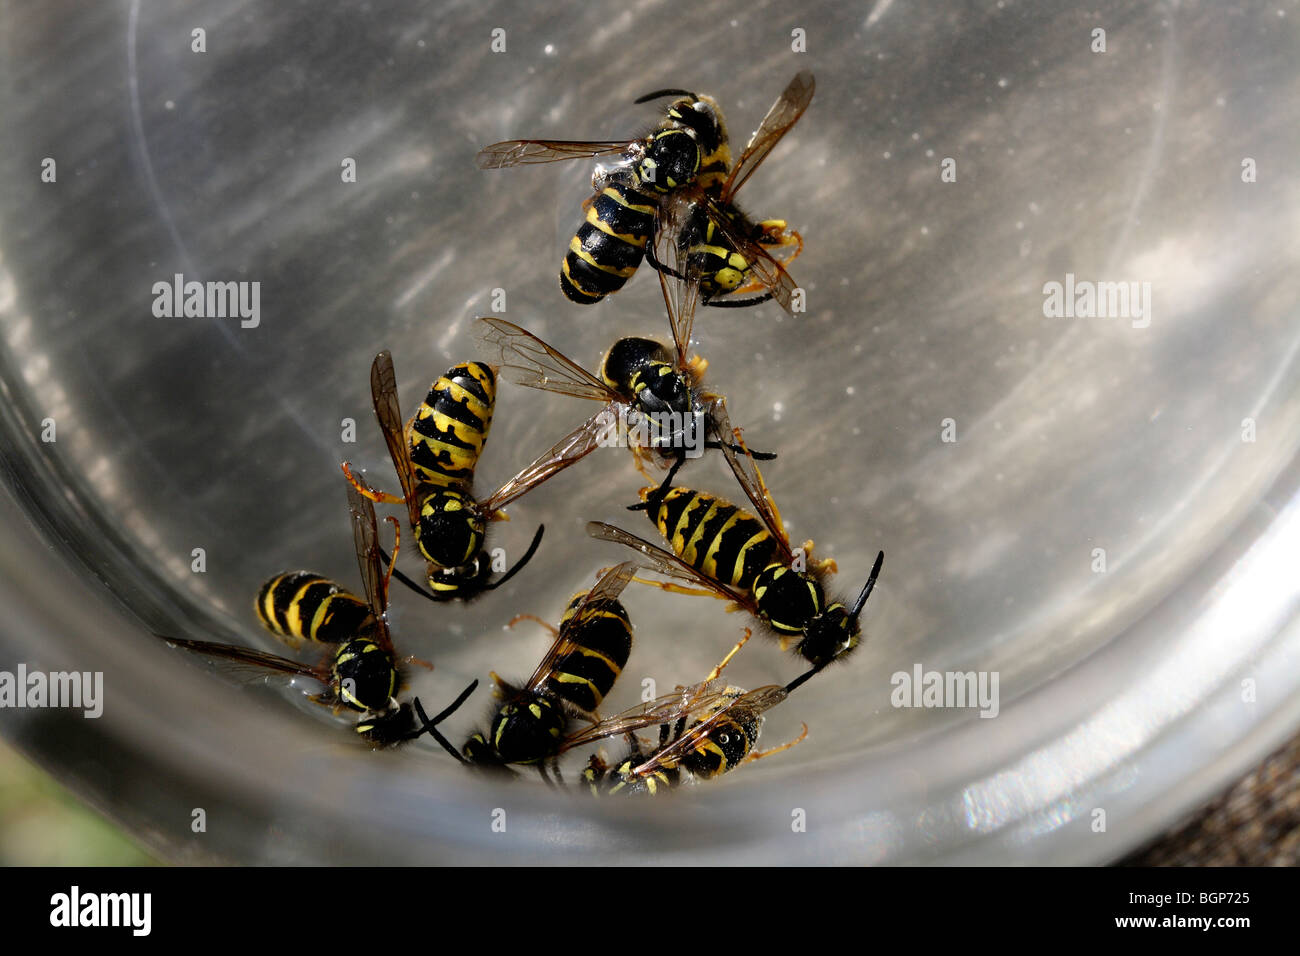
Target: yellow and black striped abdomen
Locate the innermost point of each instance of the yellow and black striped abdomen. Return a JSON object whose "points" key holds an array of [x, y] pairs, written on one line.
{"points": [[585, 675], [714, 536], [306, 606], [609, 245], [451, 426]]}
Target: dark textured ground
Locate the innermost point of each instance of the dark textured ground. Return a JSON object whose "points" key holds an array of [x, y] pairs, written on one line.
{"points": [[1255, 823]]}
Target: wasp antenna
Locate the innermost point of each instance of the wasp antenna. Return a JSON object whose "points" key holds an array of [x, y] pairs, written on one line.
{"points": [[656, 496], [660, 93], [430, 726], [394, 571], [427, 727], [866, 588], [455, 704], [801, 680], [528, 556]]}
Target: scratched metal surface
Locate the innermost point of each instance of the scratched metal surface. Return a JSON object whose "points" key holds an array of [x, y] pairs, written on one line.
{"points": [[1121, 690]]}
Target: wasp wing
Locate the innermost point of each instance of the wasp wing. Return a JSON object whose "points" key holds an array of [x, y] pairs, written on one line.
{"points": [[750, 478], [570, 449], [741, 709], [365, 534], [668, 564], [608, 588], [249, 656], [383, 392], [785, 112], [683, 704], [527, 360], [762, 264], [676, 227], [525, 152]]}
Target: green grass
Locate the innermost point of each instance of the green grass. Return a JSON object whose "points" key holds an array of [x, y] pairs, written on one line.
{"points": [[42, 824]]}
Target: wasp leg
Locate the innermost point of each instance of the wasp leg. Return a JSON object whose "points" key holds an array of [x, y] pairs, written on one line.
{"points": [[678, 588], [658, 266], [730, 303], [825, 564], [776, 235], [760, 754], [639, 458], [555, 631], [392, 562], [382, 497], [756, 455], [722, 664], [697, 366], [541, 768], [397, 573]]}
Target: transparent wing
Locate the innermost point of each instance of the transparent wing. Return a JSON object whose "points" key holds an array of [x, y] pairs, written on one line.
{"points": [[608, 588], [762, 264], [683, 704], [676, 225], [750, 478], [365, 533], [785, 112], [572, 448], [667, 563], [741, 709], [249, 656], [383, 392], [524, 152], [527, 360]]}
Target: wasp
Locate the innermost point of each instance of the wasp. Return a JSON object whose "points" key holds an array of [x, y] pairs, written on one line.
{"points": [[688, 150], [434, 457], [704, 731], [689, 145], [361, 671], [591, 647], [745, 557], [710, 236], [644, 385]]}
